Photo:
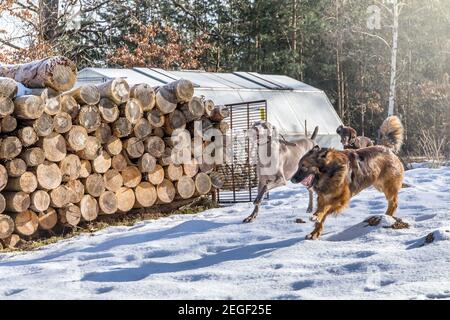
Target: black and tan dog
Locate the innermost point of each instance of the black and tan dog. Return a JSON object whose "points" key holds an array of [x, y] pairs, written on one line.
{"points": [[337, 176], [350, 139]]}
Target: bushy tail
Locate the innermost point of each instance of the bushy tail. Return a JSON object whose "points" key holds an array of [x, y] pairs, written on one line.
{"points": [[390, 133]]}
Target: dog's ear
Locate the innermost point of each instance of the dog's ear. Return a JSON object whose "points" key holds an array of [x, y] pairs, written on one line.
{"points": [[339, 129]]}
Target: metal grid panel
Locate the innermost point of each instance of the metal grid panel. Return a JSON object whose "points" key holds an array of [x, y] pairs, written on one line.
{"points": [[241, 180]]}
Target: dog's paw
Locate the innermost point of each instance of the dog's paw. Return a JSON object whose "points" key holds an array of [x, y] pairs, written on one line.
{"points": [[249, 219], [313, 218], [312, 236], [309, 210]]}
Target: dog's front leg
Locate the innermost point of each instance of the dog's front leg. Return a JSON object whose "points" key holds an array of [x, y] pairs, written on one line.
{"points": [[311, 200], [257, 202]]}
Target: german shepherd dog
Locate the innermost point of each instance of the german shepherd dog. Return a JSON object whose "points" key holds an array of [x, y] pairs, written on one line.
{"points": [[337, 176]]}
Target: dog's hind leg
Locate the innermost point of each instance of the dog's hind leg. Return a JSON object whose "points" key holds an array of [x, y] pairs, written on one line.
{"points": [[257, 202], [311, 200]]}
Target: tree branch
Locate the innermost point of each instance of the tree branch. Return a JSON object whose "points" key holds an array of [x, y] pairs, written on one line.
{"points": [[9, 44], [374, 36]]}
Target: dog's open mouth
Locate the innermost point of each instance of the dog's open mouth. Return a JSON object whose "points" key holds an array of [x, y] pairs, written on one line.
{"points": [[308, 181]]}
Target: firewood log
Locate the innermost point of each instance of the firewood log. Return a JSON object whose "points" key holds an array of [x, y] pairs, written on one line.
{"points": [[122, 127], [103, 133], [27, 136], [89, 208], [173, 172], [193, 110], [185, 187], [58, 73], [156, 118], [125, 199], [134, 147], [179, 139], [155, 146], [145, 194], [15, 168], [17, 201], [10, 147], [156, 176], [113, 180], [91, 150], [94, 185], [54, 147], [102, 162], [70, 106], [209, 106], [48, 219], [166, 191], [217, 179], [202, 183], [8, 124], [70, 167], [8, 87], [166, 158], [76, 190], [119, 162], [52, 105], [62, 122], [60, 196], [108, 110], [108, 202], [70, 215], [86, 168], [48, 175], [26, 222], [172, 93], [114, 146], [27, 182], [190, 168], [158, 132], [28, 107], [6, 106], [219, 113], [174, 120], [76, 138], [131, 176], [6, 226], [89, 118], [145, 94], [117, 90], [43, 125], [85, 94], [33, 156], [39, 201], [142, 129], [132, 110], [147, 163]]}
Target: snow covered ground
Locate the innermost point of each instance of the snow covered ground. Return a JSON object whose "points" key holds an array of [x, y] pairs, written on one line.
{"points": [[213, 255]]}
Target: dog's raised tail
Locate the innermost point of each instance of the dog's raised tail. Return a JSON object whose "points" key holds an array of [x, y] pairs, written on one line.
{"points": [[314, 134], [390, 133]]}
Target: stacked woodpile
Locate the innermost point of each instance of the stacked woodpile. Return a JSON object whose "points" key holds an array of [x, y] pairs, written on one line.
{"points": [[69, 154]]}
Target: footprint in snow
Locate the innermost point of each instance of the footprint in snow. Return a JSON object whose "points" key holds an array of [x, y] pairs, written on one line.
{"points": [[104, 290], [12, 292]]}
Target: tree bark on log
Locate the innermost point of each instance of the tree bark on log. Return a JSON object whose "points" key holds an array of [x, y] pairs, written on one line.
{"points": [[8, 87], [193, 110], [103, 133], [3, 177], [219, 113], [27, 183], [17, 201], [58, 73], [33, 156]]}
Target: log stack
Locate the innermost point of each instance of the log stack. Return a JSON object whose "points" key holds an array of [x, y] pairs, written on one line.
{"points": [[69, 155]]}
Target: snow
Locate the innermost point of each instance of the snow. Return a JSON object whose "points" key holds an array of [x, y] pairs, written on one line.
{"points": [[213, 255]]}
